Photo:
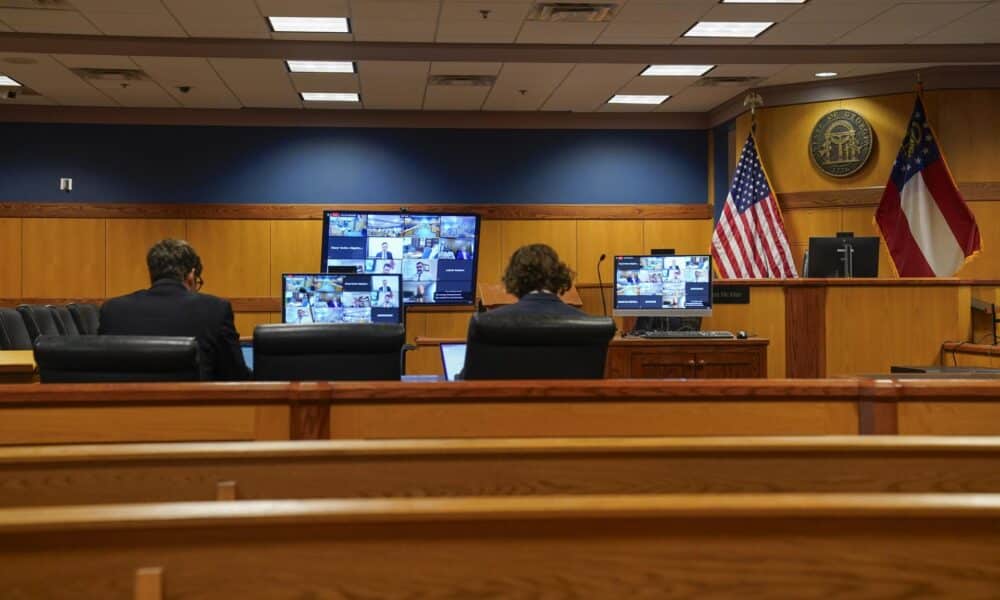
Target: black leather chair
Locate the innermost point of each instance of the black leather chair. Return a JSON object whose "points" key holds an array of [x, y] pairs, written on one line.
{"points": [[327, 351], [64, 320], [116, 358], [39, 320], [86, 316], [537, 346], [13, 333]]}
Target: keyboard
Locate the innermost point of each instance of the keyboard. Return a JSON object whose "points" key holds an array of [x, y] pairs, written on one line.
{"points": [[696, 335]]}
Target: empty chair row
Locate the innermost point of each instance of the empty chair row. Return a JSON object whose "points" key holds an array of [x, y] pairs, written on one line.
{"points": [[21, 327]]}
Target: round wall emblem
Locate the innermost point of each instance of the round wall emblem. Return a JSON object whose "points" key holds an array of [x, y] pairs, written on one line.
{"points": [[841, 143]]}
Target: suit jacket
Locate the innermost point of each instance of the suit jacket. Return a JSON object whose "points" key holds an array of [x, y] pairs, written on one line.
{"points": [[384, 255], [542, 303], [169, 308]]}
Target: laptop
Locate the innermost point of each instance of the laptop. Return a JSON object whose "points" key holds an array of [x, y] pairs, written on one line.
{"points": [[453, 360], [247, 349]]}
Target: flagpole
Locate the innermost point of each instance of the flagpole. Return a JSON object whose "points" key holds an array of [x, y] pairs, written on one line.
{"points": [[753, 100]]}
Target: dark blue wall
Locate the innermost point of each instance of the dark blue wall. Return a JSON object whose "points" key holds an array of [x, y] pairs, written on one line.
{"points": [[112, 163]]}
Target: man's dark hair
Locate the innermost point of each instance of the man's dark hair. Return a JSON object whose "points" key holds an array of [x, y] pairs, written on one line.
{"points": [[536, 267], [172, 259]]}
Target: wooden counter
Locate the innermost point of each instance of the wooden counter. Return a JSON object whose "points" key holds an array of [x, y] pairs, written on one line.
{"points": [[17, 366]]}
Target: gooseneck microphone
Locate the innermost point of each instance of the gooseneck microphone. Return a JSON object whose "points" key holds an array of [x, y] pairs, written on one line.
{"points": [[604, 303]]}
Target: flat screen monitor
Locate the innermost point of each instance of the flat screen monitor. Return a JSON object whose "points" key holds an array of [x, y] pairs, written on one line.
{"points": [[663, 286], [325, 298], [435, 254], [826, 256]]}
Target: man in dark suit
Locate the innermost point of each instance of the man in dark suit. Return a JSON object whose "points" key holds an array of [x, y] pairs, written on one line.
{"points": [[173, 306], [384, 254]]}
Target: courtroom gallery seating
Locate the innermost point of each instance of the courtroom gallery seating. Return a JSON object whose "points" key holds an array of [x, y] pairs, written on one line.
{"points": [[64, 320], [537, 346], [86, 316], [114, 358], [328, 351], [39, 320], [13, 333]]}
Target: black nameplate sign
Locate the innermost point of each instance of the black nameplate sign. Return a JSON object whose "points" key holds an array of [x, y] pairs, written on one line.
{"points": [[731, 294]]}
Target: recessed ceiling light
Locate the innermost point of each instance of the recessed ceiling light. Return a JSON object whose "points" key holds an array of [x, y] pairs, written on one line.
{"points": [[763, 1], [320, 66], [4, 80], [731, 29], [637, 99], [827, 74], [676, 70], [311, 24], [331, 97]]}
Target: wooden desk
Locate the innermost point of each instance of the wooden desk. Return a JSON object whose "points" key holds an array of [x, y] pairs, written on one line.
{"points": [[640, 358], [17, 366]]}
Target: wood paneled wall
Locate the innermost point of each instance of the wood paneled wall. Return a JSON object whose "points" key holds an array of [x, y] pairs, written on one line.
{"points": [[967, 124], [244, 258]]}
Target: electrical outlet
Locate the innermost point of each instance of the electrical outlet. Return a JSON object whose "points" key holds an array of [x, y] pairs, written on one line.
{"points": [[65, 184]]}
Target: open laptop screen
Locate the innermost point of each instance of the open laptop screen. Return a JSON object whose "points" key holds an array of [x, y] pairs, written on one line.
{"points": [[453, 359]]}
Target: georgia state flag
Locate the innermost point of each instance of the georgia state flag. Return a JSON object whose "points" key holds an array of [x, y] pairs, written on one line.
{"points": [[923, 218]]}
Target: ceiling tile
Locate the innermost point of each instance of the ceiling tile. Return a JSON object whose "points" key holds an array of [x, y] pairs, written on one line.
{"points": [[462, 21], [853, 12], [393, 84], [656, 85], [536, 32], [95, 61], [700, 99], [905, 23], [535, 80], [304, 8], [394, 20], [206, 88], [587, 87], [220, 18], [325, 82], [979, 27], [804, 33], [751, 12], [464, 68], [445, 97], [47, 21], [258, 82], [138, 94], [160, 24], [51, 79]]}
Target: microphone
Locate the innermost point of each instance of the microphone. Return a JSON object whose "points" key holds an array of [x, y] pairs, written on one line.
{"points": [[604, 303]]}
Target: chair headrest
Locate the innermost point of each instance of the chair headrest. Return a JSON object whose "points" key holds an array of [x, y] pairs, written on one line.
{"points": [[540, 330], [116, 352], [328, 338]]}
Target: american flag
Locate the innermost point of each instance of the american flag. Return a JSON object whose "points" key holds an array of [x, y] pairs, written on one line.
{"points": [[749, 240]]}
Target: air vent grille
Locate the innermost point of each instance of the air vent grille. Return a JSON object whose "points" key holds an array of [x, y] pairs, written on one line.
{"points": [[573, 12], [123, 75], [727, 81], [463, 80]]}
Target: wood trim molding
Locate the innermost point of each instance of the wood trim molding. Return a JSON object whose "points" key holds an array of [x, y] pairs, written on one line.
{"points": [[260, 304], [973, 191], [805, 332], [315, 211]]}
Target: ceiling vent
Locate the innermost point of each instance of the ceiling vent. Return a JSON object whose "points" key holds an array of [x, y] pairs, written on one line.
{"points": [[37, 4], [573, 12], [727, 81], [121, 75], [463, 80]]}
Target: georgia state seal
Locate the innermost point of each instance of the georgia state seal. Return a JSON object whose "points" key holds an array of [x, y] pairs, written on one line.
{"points": [[841, 143]]}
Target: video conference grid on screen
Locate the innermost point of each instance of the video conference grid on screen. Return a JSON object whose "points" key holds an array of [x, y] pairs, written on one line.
{"points": [[434, 254], [322, 298], [663, 283]]}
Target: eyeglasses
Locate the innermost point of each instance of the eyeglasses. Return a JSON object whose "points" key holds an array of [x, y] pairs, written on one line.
{"points": [[198, 282]]}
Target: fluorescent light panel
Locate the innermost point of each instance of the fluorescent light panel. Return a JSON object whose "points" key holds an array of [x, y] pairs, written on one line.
{"points": [[728, 29], [7, 81], [310, 24], [827, 74], [320, 66], [637, 99], [331, 97], [676, 70]]}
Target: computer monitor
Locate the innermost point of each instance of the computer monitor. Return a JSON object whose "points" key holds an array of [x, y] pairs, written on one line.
{"points": [[827, 257], [325, 298], [452, 360], [436, 254], [663, 286]]}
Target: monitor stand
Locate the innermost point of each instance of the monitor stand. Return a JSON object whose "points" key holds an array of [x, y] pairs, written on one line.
{"points": [[668, 324]]}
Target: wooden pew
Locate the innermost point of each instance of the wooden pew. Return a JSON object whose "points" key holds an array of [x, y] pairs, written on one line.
{"points": [[759, 546], [123, 473]]}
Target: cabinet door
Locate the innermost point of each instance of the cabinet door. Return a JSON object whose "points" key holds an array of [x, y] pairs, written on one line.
{"points": [[728, 365], [658, 364]]}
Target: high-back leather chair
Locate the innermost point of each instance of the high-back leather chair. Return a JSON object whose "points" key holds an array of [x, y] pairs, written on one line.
{"points": [[116, 358], [39, 320], [64, 320], [525, 346], [86, 316], [328, 351], [13, 334]]}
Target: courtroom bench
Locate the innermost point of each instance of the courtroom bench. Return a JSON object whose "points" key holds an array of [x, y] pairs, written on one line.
{"points": [[122, 473], [760, 546]]}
